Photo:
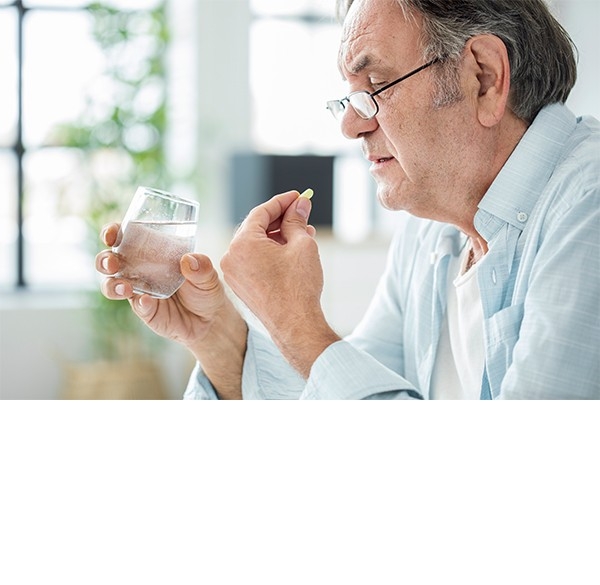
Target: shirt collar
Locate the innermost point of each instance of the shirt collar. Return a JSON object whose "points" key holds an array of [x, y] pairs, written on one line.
{"points": [[516, 189]]}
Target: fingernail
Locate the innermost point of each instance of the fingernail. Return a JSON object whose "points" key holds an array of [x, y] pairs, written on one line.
{"points": [[192, 262], [144, 304], [303, 207], [120, 289], [105, 264]]}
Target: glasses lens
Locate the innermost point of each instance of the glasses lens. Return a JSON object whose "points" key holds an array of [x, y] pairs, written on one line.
{"points": [[336, 107], [364, 104]]}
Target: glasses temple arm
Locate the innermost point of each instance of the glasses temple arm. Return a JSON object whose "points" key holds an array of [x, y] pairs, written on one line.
{"points": [[417, 70]]}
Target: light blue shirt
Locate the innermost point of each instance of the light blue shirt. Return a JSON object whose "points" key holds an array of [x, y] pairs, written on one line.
{"points": [[539, 286]]}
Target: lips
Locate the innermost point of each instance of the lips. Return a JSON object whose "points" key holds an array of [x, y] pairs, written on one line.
{"points": [[377, 158], [377, 161]]}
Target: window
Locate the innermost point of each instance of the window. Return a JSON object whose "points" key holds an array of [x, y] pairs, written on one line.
{"points": [[293, 73], [53, 76]]}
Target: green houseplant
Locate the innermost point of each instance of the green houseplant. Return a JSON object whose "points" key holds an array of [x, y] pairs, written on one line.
{"points": [[120, 137]]}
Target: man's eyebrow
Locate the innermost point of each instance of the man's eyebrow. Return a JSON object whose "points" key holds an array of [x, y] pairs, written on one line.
{"points": [[360, 64], [354, 68]]}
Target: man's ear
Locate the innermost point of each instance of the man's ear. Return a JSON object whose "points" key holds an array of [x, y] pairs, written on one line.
{"points": [[489, 58]]}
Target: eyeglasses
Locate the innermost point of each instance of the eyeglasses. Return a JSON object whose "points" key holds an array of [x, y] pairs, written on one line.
{"points": [[363, 102]]}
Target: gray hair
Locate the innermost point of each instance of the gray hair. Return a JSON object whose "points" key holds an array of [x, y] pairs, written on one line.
{"points": [[541, 54]]}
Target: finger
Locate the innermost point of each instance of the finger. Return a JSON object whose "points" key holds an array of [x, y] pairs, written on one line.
{"points": [[199, 270], [107, 263], [276, 237], [267, 216], [279, 236], [116, 289], [144, 306], [295, 218], [109, 234]]}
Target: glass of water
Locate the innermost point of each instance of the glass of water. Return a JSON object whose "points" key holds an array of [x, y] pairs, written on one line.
{"points": [[158, 229]]}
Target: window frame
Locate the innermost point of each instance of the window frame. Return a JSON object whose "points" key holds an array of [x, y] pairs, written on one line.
{"points": [[18, 148], [20, 274]]}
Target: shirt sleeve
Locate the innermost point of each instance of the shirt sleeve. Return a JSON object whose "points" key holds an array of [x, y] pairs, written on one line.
{"points": [[345, 372], [199, 386], [266, 375], [341, 372]]}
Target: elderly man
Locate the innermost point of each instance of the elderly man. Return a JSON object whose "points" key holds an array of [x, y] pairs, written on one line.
{"points": [[492, 285]]}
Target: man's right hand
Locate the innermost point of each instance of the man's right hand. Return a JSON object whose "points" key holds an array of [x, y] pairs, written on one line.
{"points": [[199, 315]]}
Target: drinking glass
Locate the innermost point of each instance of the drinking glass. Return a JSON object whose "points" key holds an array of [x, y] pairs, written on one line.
{"points": [[157, 230]]}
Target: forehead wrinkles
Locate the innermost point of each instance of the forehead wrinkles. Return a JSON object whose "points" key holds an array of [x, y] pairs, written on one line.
{"points": [[374, 29], [360, 33]]}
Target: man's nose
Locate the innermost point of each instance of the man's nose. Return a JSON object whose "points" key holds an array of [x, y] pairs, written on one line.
{"points": [[353, 126]]}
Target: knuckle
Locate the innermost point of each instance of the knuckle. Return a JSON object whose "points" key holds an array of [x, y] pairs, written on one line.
{"points": [[224, 263]]}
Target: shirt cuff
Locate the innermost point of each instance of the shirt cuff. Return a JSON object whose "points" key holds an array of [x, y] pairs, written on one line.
{"points": [[266, 374], [344, 372], [199, 387]]}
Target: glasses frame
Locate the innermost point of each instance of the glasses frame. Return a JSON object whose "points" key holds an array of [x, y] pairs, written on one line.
{"points": [[340, 107]]}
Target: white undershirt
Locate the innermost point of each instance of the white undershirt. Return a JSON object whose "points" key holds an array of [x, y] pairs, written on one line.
{"points": [[458, 367]]}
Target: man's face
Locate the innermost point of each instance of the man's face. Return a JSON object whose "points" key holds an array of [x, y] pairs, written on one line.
{"points": [[417, 151]]}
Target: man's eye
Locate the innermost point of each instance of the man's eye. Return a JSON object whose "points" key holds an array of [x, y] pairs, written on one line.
{"points": [[376, 84]]}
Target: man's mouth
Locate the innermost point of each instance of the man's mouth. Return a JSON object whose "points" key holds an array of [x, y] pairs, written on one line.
{"points": [[380, 160]]}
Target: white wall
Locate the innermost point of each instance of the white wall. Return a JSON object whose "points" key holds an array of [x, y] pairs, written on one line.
{"points": [[581, 18], [36, 335], [42, 335]]}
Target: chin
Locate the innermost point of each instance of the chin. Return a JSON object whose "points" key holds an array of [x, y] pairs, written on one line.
{"points": [[389, 198]]}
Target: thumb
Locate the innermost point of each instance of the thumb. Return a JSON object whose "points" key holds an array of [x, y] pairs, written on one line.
{"points": [[295, 218], [303, 208], [199, 271]]}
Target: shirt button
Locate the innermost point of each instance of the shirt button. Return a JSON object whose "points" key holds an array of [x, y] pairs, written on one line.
{"points": [[522, 216]]}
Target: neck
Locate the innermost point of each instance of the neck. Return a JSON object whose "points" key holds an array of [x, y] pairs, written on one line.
{"points": [[502, 144], [479, 247]]}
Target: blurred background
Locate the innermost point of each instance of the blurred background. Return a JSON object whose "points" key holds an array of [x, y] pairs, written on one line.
{"points": [[218, 100]]}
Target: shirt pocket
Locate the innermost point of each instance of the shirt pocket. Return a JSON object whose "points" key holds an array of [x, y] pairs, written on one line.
{"points": [[502, 333]]}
